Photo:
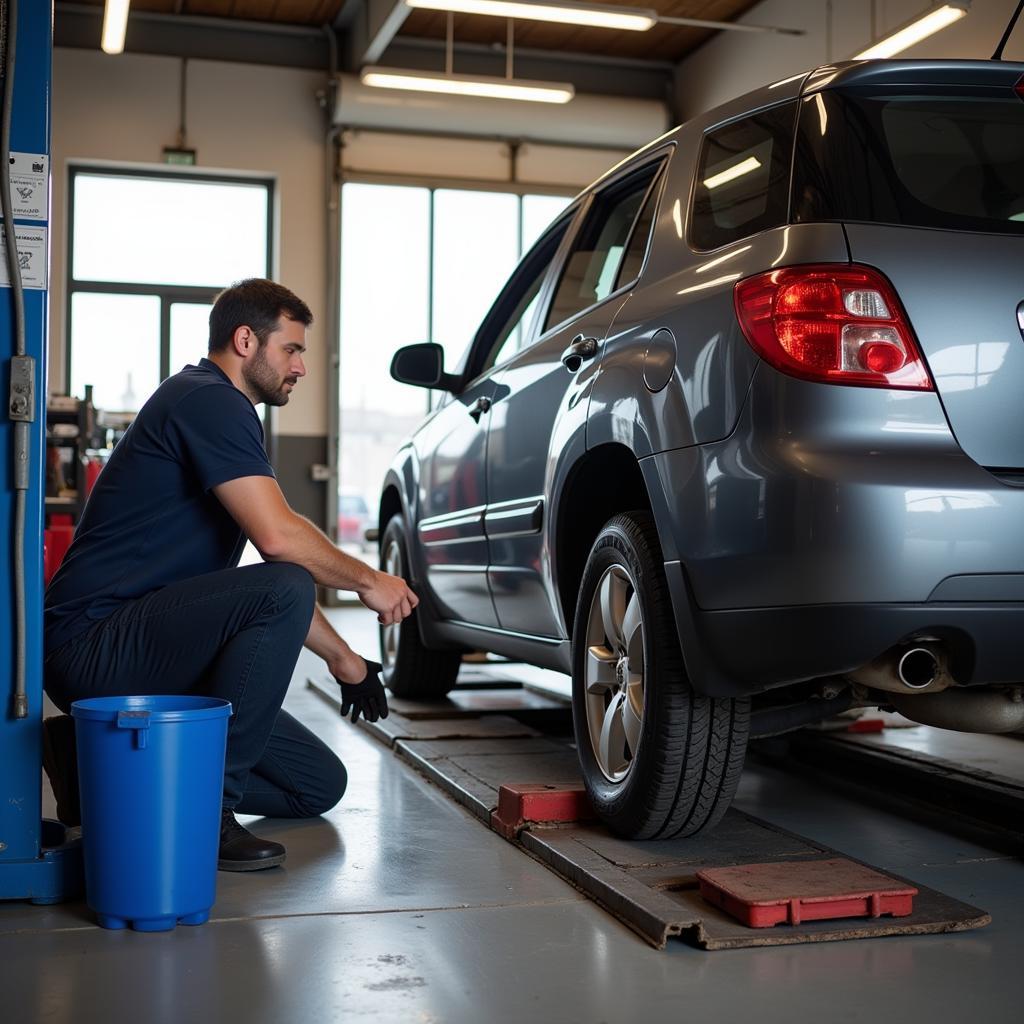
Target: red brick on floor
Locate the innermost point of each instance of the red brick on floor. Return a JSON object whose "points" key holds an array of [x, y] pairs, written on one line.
{"points": [[540, 804]]}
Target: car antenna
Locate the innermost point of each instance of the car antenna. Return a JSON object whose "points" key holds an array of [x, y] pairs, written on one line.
{"points": [[998, 55]]}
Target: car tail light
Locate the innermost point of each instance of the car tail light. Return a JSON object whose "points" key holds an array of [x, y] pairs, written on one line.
{"points": [[1019, 87], [833, 323]]}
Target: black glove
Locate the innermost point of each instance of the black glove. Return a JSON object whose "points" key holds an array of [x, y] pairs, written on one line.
{"points": [[366, 697]]}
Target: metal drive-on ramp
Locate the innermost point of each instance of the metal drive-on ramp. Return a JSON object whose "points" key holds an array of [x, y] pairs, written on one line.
{"points": [[947, 788], [510, 746]]}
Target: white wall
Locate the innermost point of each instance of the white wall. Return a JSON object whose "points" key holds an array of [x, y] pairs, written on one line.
{"points": [[734, 63], [241, 118]]}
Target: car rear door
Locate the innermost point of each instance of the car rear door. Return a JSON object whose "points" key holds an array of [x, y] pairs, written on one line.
{"points": [[539, 385]]}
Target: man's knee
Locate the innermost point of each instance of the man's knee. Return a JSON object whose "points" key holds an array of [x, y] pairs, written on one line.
{"points": [[332, 780], [293, 586]]}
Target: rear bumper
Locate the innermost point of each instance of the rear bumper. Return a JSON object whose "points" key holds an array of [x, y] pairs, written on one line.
{"points": [[831, 525], [831, 495], [748, 650]]}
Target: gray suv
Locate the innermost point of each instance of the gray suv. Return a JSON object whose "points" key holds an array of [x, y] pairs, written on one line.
{"points": [[741, 442]]}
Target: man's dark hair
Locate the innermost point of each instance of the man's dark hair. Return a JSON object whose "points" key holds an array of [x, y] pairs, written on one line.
{"points": [[255, 303]]}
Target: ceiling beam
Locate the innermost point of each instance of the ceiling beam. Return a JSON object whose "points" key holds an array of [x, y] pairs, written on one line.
{"points": [[382, 18]]}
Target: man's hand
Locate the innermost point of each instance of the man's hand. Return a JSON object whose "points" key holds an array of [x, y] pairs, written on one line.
{"points": [[366, 697], [390, 597]]}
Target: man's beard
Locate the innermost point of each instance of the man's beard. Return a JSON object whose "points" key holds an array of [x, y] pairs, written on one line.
{"points": [[264, 385]]}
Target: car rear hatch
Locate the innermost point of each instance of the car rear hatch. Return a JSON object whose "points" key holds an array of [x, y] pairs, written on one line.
{"points": [[926, 172]]}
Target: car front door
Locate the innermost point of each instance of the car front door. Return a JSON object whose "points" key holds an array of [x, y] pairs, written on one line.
{"points": [[452, 499], [452, 449], [541, 395]]}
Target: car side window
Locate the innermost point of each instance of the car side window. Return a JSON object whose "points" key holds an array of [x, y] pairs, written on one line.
{"points": [[743, 178], [633, 261], [593, 265], [519, 300]]}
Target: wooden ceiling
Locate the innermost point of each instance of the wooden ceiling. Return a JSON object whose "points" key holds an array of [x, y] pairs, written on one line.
{"points": [[662, 43]]}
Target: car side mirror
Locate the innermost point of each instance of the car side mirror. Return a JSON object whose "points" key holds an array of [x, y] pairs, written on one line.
{"points": [[422, 366]]}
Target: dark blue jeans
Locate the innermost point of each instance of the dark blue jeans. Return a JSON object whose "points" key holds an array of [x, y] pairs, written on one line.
{"points": [[236, 635]]}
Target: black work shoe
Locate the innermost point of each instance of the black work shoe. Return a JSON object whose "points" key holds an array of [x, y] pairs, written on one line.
{"points": [[60, 760], [240, 850]]}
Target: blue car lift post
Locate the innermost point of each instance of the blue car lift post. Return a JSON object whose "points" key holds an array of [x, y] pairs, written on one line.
{"points": [[37, 861]]}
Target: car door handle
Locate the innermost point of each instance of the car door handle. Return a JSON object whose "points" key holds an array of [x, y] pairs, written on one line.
{"points": [[581, 349], [481, 406]]}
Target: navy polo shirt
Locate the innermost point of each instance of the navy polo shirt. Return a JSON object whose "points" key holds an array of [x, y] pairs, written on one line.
{"points": [[152, 518]]}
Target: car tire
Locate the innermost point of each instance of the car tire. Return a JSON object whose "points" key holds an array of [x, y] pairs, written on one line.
{"points": [[411, 669], [658, 759]]}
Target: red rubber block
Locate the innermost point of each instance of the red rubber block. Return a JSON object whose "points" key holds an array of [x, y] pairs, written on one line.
{"points": [[536, 803], [764, 895], [866, 725]]}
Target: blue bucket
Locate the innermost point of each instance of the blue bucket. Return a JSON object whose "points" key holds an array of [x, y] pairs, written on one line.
{"points": [[151, 779]]}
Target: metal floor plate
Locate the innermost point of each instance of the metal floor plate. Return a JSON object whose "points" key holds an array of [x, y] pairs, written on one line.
{"points": [[964, 795], [650, 886], [656, 892]]}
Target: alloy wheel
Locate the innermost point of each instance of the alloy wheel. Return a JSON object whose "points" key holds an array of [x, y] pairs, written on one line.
{"points": [[614, 673]]}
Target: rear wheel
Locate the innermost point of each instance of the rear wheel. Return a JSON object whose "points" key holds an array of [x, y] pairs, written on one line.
{"points": [[411, 669], [658, 759]]}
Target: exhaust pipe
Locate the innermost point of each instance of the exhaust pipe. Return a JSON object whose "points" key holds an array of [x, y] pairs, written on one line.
{"points": [[918, 685], [960, 709], [918, 668]]}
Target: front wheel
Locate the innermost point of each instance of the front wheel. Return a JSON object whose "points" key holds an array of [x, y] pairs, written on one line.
{"points": [[658, 759], [410, 669]]}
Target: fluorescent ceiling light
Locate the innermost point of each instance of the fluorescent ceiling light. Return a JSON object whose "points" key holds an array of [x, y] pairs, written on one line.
{"points": [[468, 85], [731, 173], [632, 19], [115, 22], [920, 28]]}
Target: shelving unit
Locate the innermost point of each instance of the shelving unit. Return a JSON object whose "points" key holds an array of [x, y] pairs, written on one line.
{"points": [[71, 426]]}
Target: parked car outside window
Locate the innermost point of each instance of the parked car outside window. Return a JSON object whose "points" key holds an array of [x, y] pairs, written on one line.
{"points": [[353, 520]]}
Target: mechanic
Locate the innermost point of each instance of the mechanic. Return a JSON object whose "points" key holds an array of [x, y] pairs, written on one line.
{"points": [[150, 598]]}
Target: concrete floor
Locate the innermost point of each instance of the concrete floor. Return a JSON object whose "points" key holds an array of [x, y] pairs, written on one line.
{"points": [[400, 906]]}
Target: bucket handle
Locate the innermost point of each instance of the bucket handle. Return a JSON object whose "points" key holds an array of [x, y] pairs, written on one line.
{"points": [[137, 720]]}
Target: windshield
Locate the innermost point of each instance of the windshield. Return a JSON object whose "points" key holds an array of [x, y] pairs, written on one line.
{"points": [[938, 160]]}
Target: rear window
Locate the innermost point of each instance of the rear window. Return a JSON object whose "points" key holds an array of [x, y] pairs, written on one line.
{"points": [[742, 182], [939, 161]]}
